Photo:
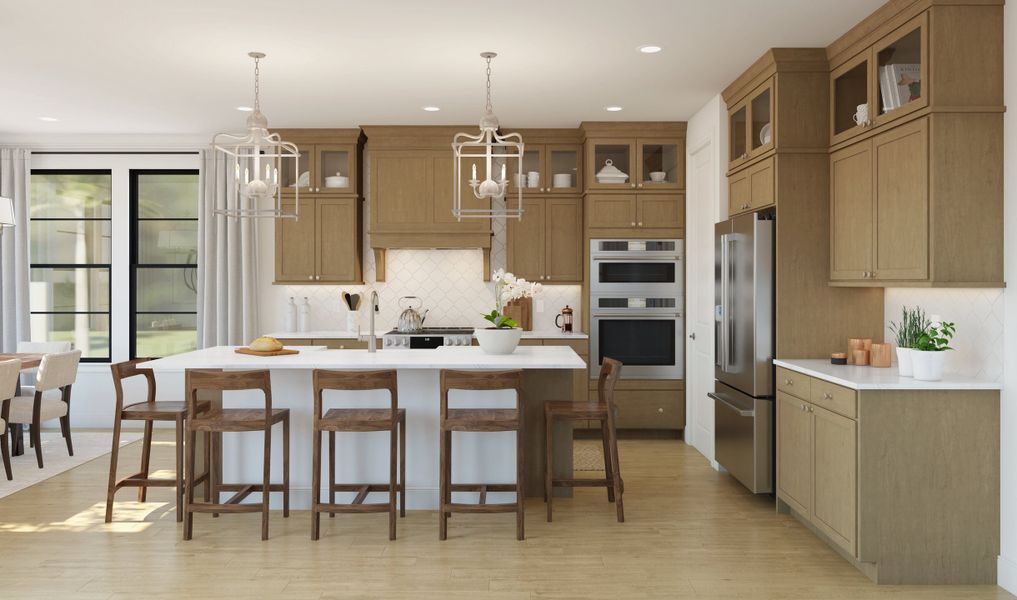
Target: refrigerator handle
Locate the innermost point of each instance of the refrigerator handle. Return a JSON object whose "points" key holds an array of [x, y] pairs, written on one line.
{"points": [[729, 343], [722, 339]]}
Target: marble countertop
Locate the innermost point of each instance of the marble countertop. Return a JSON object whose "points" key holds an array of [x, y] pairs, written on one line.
{"points": [[871, 378], [314, 357], [335, 334]]}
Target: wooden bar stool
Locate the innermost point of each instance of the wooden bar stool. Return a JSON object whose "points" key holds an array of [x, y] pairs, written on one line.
{"points": [[480, 420], [224, 420], [392, 420], [605, 411], [149, 411]]}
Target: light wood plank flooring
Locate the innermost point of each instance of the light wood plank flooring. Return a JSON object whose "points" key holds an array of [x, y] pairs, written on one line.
{"points": [[690, 533]]}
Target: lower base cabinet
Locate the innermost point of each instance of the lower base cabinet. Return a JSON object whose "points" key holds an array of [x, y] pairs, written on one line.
{"points": [[902, 483], [648, 403]]}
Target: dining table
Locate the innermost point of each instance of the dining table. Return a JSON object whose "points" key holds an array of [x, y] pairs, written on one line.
{"points": [[29, 360]]}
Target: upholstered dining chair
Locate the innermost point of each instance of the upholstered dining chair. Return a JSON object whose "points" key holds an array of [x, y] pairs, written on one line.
{"points": [[9, 372], [28, 376], [51, 400]]}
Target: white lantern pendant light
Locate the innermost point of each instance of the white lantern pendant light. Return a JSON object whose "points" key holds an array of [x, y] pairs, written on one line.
{"points": [[254, 160], [493, 151]]}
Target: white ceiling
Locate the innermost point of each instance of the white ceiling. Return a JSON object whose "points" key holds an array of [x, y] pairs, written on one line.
{"points": [[181, 66]]}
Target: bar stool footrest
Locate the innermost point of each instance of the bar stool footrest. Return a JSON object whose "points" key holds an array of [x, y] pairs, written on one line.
{"points": [[377, 507], [582, 482], [140, 480], [506, 507]]}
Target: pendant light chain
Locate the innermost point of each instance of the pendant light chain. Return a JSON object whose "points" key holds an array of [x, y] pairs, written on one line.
{"points": [[489, 108], [257, 84]]}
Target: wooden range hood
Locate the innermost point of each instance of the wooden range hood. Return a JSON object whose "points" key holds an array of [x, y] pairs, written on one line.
{"points": [[410, 193]]}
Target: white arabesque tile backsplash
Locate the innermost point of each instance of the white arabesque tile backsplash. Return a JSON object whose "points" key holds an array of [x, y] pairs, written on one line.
{"points": [[449, 283], [978, 315]]}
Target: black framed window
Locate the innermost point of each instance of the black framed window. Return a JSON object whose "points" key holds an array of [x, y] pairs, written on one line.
{"points": [[164, 262], [69, 270]]}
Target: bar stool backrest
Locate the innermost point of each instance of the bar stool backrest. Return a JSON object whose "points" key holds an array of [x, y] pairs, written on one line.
{"points": [[354, 381], [217, 380], [610, 370], [126, 370], [480, 380]]}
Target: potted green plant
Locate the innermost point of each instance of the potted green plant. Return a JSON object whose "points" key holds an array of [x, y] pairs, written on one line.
{"points": [[913, 324], [503, 337], [929, 354]]}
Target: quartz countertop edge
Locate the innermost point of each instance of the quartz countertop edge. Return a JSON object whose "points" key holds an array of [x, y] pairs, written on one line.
{"points": [[315, 357], [324, 334], [873, 378]]}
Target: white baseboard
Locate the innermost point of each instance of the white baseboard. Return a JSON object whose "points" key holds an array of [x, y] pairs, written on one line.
{"points": [[1006, 574]]}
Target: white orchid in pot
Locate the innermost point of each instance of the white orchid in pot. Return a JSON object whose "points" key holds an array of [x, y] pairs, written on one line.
{"points": [[504, 336]]}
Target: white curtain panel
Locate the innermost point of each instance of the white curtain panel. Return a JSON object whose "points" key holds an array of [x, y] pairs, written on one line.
{"points": [[14, 312], [227, 263]]}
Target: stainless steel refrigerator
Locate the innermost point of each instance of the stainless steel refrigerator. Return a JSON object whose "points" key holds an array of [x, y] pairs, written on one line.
{"points": [[744, 326]]}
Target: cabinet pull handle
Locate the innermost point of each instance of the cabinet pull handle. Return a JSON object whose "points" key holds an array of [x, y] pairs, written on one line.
{"points": [[788, 382], [827, 396]]}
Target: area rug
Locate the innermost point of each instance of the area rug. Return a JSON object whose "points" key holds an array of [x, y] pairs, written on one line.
{"points": [[587, 455], [88, 445]]}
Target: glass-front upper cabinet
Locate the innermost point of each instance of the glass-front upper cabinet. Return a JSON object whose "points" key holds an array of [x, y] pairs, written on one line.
{"points": [[563, 168], [850, 97], [901, 68], [737, 128], [334, 170], [611, 164], [660, 164], [531, 177], [292, 177], [760, 128]]}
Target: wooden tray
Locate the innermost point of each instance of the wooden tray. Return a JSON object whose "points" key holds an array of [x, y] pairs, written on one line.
{"points": [[283, 352]]}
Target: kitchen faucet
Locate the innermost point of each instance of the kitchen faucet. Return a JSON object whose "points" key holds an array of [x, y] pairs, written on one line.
{"points": [[372, 341]]}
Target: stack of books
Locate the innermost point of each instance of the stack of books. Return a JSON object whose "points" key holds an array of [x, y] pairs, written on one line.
{"points": [[899, 84]]}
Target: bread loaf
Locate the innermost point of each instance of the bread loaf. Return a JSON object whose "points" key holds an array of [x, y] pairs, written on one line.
{"points": [[266, 344]]}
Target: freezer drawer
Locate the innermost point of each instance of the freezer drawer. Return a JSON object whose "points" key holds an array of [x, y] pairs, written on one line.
{"points": [[744, 437]]}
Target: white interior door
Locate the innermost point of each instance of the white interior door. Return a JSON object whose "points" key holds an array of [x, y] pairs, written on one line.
{"points": [[701, 205]]}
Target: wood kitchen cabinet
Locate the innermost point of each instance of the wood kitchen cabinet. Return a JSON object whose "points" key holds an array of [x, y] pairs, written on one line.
{"points": [[322, 246], [548, 152], [546, 244], [750, 125], [752, 188], [648, 403], [902, 482], [637, 158], [323, 153], [636, 215]]}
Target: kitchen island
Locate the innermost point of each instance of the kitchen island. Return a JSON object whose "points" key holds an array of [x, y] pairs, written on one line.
{"points": [[363, 457]]}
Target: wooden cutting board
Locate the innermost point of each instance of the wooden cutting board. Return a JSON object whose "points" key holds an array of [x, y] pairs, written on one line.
{"points": [[283, 352]]}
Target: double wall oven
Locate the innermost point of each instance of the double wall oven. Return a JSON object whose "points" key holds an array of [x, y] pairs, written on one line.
{"points": [[637, 304]]}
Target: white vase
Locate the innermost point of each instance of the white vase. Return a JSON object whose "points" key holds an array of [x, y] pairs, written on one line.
{"points": [[904, 362], [498, 341], [928, 366]]}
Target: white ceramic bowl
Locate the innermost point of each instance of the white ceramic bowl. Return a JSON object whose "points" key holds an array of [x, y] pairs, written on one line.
{"points": [[562, 180], [612, 178], [657, 176], [498, 341], [337, 181]]}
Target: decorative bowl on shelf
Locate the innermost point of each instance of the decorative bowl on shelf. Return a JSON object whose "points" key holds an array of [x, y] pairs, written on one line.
{"points": [[658, 176]]}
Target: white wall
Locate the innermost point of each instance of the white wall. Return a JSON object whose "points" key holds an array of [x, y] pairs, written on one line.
{"points": [[706, 205], [449, 282], [1008, 417]]}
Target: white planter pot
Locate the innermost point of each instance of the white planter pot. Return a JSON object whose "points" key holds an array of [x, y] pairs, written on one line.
{"points": [[498, 341], [928, 366], [904, 362]]}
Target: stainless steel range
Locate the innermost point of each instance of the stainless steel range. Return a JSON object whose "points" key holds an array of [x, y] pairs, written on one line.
{"points": [[429, 337]]}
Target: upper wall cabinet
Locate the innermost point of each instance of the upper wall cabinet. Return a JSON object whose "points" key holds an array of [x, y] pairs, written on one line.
{"points": [[916, 192], [778, 106], [329, 162], [552, 163], [635, 156]]}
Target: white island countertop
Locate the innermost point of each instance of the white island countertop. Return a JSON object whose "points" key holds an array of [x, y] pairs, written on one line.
{"points": [[872, 378], [445, 357], [335, 334]]}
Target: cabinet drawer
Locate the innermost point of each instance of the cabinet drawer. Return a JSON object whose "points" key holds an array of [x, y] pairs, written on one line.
{"points": [[581, 347], [343, 344], [650, 409], [794, 383], [840, 400], [296, 342]]}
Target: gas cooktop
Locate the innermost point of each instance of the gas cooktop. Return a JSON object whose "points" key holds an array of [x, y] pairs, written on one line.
{"points": [[436, 331], [429, 337]]}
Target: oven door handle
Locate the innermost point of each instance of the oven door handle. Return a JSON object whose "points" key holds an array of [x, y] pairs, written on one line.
{"points": [[637, 259], [741, 411], [635, 315]]}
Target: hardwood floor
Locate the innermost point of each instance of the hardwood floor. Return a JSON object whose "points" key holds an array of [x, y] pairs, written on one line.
{"points": [[689, 533]]}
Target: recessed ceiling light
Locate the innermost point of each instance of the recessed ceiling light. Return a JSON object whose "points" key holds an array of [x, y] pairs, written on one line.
{"points": [[612, 108], [245, 109], [48, 119], [650, 49], [432, 108]]}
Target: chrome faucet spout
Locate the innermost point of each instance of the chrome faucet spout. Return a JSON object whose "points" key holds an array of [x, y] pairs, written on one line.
{"points": [[372, 341]]}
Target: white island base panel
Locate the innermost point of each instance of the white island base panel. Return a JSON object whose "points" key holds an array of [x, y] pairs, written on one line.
{"points": [[364, 457]]}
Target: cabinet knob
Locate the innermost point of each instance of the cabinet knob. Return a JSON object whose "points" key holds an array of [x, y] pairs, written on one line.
{"points": [[549, 277], [788, 382], [541, 276], [310, 277], [640, 223], [660, 411], [632, 224], [803, 407], [812, 409], [639, 185], [317, 277], [745, 155], [633, 185], [692, 336]]}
